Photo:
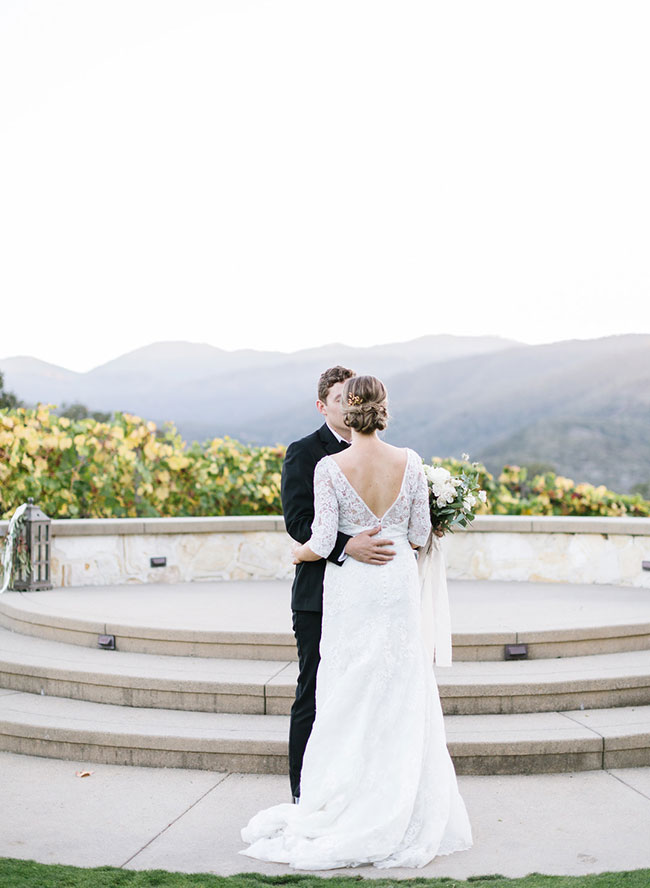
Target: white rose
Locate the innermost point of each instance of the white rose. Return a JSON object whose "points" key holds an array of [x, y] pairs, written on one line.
{"points": [[445, 490], [448, 494], [437, 474], [482, 495]]}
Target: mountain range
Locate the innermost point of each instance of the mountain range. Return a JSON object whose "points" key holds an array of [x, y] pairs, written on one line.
{"points": [[579, 405]]}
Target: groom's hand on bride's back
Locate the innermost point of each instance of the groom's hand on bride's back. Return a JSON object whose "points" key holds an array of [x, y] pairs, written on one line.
{"points": [[367, 548]]}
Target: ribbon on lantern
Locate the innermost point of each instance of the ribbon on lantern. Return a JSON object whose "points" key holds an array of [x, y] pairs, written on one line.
{"points": [[434, 601], [8, 554]]}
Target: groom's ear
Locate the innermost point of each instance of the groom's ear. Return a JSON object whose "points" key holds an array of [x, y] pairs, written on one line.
{"points": [[321, 407]]}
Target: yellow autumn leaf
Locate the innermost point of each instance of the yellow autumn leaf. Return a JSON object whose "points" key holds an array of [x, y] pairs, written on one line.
{"points": [[150, 450], [177, 461]]}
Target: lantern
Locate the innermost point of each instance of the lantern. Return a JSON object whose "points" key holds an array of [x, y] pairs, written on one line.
{"points": [[33, 551]]}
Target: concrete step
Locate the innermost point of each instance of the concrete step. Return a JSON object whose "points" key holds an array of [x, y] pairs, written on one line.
{"points": [[479, 744], [53, 668], [252, 620]]}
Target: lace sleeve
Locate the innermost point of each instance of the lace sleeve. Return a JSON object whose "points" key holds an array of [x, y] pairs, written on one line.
{"points": [[325, 525], [420, 517]]}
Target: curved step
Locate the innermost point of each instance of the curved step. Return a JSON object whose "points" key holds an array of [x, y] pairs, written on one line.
{"points": [[252, 620], [480, 744], [52, 668]]}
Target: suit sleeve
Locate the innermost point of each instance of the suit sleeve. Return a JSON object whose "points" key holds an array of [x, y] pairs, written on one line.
{"points": [[297, 492]]}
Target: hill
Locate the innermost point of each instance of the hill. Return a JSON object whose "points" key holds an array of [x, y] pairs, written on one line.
{"points": [[581, 405]]}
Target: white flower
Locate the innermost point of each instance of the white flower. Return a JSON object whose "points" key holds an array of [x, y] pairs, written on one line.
{"points": [[466, 456], [444, 493], [437, 474], [482, 495], [443, 489], [468, 502]]}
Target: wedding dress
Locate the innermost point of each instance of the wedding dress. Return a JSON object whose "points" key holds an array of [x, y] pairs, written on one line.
{"points": [[377, 785]]}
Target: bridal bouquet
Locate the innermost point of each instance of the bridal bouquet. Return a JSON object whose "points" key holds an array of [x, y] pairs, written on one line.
{"points": [[453, 498], [452, 501]]}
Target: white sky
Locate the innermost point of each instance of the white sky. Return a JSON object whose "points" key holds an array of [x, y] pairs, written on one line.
{"points": [[284, 174]]}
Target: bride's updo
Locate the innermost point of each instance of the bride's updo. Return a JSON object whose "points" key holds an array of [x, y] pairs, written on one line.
{"points": [[363, 403]]}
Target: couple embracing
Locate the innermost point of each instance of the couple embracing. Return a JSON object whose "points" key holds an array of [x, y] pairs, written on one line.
{"points": [[371, 776]]}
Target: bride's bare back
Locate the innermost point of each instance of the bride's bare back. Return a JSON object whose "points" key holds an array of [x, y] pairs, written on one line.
{"points": [[376, 472]]}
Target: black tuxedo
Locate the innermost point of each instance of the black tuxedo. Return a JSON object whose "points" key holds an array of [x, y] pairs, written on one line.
{"points": [[307, 590], [298, 508]]}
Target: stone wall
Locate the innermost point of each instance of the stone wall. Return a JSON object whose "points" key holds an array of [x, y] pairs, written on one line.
{"points": [[495, 547]]}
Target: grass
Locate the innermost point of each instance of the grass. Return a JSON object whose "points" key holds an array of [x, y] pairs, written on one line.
{"points": [[16, 873]]}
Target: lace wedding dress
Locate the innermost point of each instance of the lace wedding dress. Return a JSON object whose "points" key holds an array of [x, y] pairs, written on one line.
{"points": [[377, 785]]}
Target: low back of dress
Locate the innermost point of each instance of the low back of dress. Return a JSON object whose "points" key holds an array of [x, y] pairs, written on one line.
{"points": [[338, 506]]}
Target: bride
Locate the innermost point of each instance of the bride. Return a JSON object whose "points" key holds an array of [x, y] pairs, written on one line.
{"points": [[378, 785]]}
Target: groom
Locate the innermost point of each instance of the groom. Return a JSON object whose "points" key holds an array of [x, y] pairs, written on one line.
{"points": [[307, 590]]}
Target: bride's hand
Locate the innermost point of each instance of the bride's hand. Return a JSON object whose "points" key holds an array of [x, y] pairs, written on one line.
{"points": [[295, 557], [439, 533]]}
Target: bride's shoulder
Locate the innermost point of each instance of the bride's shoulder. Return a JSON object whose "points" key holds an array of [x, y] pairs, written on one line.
{"points": [[414, 461], [323, 464]]}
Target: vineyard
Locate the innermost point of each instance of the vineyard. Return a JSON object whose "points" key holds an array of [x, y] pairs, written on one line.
{"points": [[130, 468]]}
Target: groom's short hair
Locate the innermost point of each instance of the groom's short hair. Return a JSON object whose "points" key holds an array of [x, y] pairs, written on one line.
{"points": [[330, 377]]}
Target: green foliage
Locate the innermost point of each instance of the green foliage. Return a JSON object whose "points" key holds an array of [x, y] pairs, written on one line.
{"points": [[129, 468]]}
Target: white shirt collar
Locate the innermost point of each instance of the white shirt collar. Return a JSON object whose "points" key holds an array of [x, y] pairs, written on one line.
{"points": [[336, 434]]}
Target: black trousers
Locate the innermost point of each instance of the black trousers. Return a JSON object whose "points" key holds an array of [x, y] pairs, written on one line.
{"points": [[307, 627]]}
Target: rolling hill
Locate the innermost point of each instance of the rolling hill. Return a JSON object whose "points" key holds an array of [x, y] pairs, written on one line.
{"points": [[581, 405]]}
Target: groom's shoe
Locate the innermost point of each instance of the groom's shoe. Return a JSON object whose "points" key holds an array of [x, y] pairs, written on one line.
{"points": [[296, 799]]}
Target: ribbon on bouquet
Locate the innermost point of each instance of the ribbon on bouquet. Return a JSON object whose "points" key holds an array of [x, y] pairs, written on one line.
{"points": [[434, 601]]}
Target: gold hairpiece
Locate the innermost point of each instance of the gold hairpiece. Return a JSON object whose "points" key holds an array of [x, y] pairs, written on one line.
{"points": [[354, 400]]}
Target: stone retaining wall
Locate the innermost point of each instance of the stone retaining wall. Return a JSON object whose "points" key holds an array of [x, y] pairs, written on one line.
{"points": [[495, 547]]}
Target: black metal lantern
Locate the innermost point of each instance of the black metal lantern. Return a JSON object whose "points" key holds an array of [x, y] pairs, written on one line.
{"points": [[32, 553]]}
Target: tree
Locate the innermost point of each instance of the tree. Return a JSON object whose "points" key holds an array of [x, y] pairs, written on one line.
{"points": [[8, 399], [76, 410], [643, 488]]}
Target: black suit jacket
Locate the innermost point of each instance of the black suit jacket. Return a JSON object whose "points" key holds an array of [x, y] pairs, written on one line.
{"points": [[298, 507]]}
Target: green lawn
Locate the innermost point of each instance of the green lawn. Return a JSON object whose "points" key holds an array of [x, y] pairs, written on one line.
{"points": [[29, 874]]}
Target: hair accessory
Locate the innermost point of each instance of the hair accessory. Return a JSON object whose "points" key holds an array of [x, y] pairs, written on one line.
{"points": [[354, 400]]}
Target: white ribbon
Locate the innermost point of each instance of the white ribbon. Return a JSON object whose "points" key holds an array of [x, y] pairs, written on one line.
{"points": [[7, 555], [434, 601]]}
